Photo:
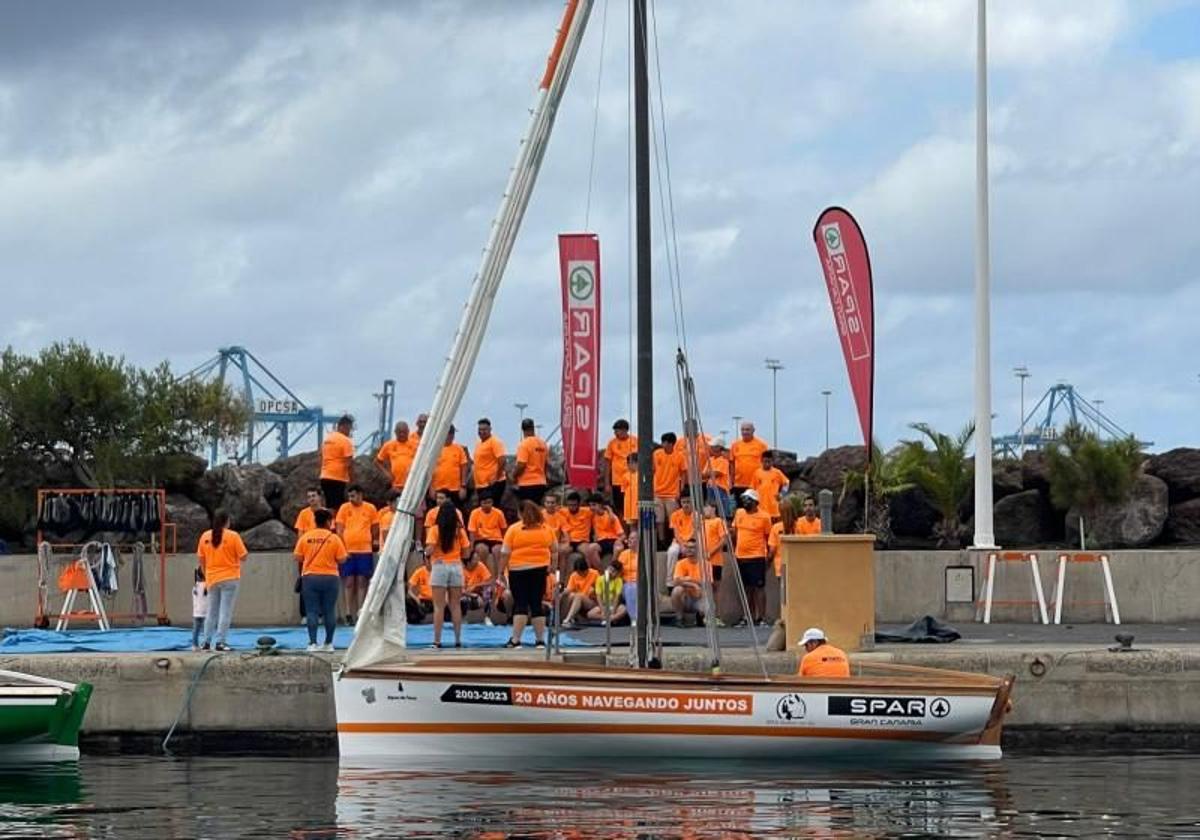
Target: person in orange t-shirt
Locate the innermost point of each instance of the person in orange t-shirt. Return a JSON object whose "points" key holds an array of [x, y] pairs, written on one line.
{"points": [[669, 471], [822, 659], [358, 526], [717, 480], [716, 537], [607, 533], [489, 478], [683, 528], [418, 602], [396, 456], [439, 496], [446, 544], [632, 490], [575, 522], [769, 481], [809, 524], [751, 533], [581, 586], [479, 588], [629, 564], [745, 456], [319, 552], [387, 515], [221, 552], [614, 466], [530, 551], [450, 471], [529, 472], [306, 518], [337, 453], [785, 525], [487, 525], [685, 585]]}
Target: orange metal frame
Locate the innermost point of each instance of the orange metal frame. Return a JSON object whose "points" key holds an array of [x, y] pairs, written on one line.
{"points": [[42, 615]]}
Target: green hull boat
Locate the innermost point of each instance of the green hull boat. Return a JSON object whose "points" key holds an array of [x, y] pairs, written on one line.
{"points": [[40, 718]]}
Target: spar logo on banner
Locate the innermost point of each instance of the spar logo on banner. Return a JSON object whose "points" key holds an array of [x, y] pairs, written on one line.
{"points": [[841, 292], [579, 259]]}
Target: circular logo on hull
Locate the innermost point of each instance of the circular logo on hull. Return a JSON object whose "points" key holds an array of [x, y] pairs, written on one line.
{"points": [[791, 707]]}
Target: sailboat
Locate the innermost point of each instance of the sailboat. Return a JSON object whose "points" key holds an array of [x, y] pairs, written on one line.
{"points": [[40, 718], [389, 706]]}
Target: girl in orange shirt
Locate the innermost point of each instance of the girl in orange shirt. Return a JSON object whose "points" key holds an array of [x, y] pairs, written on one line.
{"points": [[446, 544], [221, 553], [530, 546]]}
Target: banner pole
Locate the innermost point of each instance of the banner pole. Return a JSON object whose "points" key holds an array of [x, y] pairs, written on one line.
{"points": [[984, 536]]}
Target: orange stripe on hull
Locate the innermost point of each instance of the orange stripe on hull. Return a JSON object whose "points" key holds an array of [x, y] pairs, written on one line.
{"points": [[650, 729]]}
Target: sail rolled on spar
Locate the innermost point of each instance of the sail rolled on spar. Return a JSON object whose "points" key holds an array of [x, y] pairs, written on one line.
{"points": [[380, 633]]}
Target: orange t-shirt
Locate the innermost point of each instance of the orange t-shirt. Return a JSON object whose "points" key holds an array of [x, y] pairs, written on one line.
{"points": [[551, 584], [631, 500], [768, 484], [807, 529], [398, 458], [337, 451], [553, 520], [418, 585], [356, 522], [431, 516], [825, 661], [487, 526], [582, 584], [532, 452], [668, 471], [747, 458], [433, 546], [476, 576], [687, 569], [702, 454], [222, 562], [607, 526], [683, 524], [305, 520], [320, 550], [629, 569], [617, 452], [773, 546], [447, 471], [718, 466], [753, 531], [578, 525], [489, 455], [529, 547], [714, 539], [384, 519]]}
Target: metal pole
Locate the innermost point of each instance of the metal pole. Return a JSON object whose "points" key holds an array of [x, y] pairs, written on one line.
{"points": [[826, 394], [521, 408], [774, 366], [645, 334], [1021, 373], [984, 535]]}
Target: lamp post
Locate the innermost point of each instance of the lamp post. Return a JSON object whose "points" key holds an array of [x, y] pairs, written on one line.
{"points": [[1022, 373], [826, 394], [737, 425], [521, 408], [774, 366], [1098, 403], [984, 532]]}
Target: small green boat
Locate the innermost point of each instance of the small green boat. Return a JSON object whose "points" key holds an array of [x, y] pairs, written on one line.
{"points": [[40, 718]]}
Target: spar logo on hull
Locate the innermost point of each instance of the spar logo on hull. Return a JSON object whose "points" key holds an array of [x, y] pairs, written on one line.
{"points": [[865, 710]]}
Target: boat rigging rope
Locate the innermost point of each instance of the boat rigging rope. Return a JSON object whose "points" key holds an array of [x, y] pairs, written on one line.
{"points": [[587, 207]]}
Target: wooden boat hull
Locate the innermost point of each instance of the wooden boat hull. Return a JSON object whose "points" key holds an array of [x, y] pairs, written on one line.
{"points": [[41, 722], [437, 708]]}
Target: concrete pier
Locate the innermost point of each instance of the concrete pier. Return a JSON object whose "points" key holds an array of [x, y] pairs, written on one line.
{"points": [[1065, 694]]}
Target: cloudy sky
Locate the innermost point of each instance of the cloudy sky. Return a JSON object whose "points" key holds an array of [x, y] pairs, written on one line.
{"points": [[315, 181]]}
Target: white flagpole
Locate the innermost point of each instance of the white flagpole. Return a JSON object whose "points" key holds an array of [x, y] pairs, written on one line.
{"points": [[984, 533]]}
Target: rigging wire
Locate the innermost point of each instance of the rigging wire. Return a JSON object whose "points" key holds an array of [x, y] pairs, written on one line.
{"points": [[587, 208]]}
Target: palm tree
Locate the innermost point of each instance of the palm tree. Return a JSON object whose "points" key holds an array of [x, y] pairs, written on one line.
{"points": [[885, 481], [1086, 472], [943, 472]]}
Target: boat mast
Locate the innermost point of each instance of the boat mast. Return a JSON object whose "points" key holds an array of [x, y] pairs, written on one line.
{"points": [[645, 335]]}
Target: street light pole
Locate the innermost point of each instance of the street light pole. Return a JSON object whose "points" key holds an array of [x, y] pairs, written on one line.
{"points": [[826, 394], [737, 425], [774, 366], [1022, 373], [521, 408]]}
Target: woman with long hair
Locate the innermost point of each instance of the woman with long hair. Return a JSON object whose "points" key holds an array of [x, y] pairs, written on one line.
{"points": [[221, 552], [530, 547], [446, 545], [319, 552]]}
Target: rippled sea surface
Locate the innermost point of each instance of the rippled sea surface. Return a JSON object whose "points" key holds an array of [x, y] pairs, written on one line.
{"points": [[1024, 795]]}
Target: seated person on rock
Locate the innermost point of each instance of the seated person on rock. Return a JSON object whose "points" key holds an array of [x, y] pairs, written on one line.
{"points": [[419, 600], [687, 596], [580, 592], [609, 588], [479, 588], [822, 659]]}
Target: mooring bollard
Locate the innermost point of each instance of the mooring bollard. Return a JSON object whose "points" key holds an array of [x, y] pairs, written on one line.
{"points": [[825, 506]]}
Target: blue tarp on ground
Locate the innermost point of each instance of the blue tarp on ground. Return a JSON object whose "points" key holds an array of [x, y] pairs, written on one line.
{"points": [[146, 639]]}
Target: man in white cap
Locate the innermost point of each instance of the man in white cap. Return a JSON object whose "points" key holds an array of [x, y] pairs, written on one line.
{"points": [[751, 533], [821, 659]]}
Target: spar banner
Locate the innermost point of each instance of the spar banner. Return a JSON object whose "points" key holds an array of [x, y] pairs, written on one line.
{"points": [[579, 264], [847, 267]]}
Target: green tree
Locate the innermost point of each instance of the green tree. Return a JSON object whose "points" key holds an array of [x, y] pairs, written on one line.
{"points": [[942, 470], [72, 411], [1086, 472], [884, 478]]}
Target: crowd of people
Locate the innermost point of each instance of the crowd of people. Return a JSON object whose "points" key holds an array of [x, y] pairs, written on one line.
{"points": [[576, 552]]}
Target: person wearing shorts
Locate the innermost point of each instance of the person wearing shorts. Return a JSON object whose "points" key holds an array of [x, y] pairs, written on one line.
{"points": [[446, 545], [751, 534], [486, 526], [530, 549], [358, 527], [685, 584]]}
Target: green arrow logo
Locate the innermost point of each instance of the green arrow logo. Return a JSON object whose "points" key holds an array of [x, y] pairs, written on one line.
{"points": [[580, 282], [832, 238]]}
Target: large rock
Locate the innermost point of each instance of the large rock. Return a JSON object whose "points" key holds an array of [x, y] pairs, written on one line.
{"points": [[1035, 471], [1022, 520], [1133, 523], [912, 514], [271, 535], [1183, 523], [308, 463], [1007, 478], [1180, 469], [830, 468], [190, 520], [786, 463], [250, 493], [374, 481]]}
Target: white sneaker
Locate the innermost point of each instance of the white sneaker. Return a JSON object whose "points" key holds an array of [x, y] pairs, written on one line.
{"points": [[303, 622], [327, 648], [633, 623], [314, 647], [487, 621]]}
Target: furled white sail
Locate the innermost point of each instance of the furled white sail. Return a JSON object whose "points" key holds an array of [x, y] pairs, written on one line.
{"points": [[380, 634]]}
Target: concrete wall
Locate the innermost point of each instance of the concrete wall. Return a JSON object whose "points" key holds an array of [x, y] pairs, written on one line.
{"points": [[1152, 587]]}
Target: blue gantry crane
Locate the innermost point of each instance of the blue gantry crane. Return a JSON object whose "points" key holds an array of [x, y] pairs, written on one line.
{"points": [[1061, 406], [277, 411]]}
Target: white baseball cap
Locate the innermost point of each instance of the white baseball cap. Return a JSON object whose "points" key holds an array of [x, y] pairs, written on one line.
{"points": [[751, 494], [812, 634]]}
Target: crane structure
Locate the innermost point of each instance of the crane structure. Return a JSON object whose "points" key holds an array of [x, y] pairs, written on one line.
{"points": [[1058, 408], [277, 411]]}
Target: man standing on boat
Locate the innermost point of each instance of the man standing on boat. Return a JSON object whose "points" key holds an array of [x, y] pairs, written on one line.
{"points": [[529, 473], [337, 453], [489, 477], [822, 659], [614, 467], [745, 457]]}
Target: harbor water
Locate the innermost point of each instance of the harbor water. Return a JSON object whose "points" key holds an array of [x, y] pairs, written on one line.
{"points": [[1024, 795]]}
